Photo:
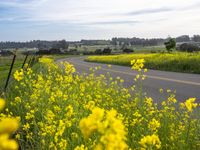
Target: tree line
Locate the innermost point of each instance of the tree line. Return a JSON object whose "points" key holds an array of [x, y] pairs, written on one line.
{"points": [[114, 41], [153, 41]]}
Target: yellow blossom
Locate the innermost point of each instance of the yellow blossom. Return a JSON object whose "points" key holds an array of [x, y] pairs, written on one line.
{"points": [[45, 60], [154, 124], [2, 103], [82, 147], [150, 141], [18, 75], [112, 129], [190, 104], [8, 125], [6, 143], [137, 64]]}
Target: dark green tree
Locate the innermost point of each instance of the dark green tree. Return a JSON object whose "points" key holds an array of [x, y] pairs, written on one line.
{"points": [[170, 44]]}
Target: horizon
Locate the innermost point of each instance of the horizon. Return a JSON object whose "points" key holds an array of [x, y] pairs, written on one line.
{"points": [[22, 20], [164, 38]]}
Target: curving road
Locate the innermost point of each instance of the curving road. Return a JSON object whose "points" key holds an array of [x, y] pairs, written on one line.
{"points": [[186, 85]]}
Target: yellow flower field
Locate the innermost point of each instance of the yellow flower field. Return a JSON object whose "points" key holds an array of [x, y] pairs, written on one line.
{"points": [[61, 109], [180, 62]]}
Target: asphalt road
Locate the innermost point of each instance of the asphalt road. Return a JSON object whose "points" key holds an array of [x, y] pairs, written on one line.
{"points": [[186, 85]]}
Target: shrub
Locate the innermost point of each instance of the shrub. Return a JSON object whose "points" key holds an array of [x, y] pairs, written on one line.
{"points": [[127, 50], [98, 51], [171, 44], [107, 51], [188, 47]]}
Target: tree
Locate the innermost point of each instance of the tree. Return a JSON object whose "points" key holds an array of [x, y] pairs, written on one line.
{"points": [[196, 38], [62, 44], [127, 50], [107, 51], [183, 38], [188, 47], [98, 51], [170, 44]]}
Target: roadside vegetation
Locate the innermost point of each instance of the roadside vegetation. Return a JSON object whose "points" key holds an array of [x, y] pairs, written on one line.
{"points": [[176, 61], [5, 63], [60, 109]]}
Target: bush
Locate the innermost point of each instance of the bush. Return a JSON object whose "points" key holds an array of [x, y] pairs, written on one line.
{"points": [[153, 51], [188, 47], [5, 53], [55, 51], [98, 51], [88, 53], [127, 50], [43, 52], [171, 44], [107, 51]]}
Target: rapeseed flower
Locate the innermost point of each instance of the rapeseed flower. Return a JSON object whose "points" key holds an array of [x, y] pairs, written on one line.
{"points": [[190, 104], [154, 124], [138, 64], [6, 143], [2, 103], [8, 125], [112, 129], [61, 109], [82, 147], [45, 60], [150, 141], [18, 75]]}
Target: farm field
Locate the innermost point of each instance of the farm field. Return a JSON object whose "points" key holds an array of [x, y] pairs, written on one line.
{"points": [[118, 49], [178, 62], [60, 109]]}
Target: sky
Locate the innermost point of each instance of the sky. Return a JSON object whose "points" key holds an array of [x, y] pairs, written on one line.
{"points": [[24, 20]]}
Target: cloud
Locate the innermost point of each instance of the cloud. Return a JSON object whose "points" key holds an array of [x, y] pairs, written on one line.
{"points": [[149, 11], [191, 7], [21, 4], [104, 18], [113, 22]]}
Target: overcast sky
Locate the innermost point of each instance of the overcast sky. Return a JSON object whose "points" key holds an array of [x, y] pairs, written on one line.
{"points": [[23, 20]]}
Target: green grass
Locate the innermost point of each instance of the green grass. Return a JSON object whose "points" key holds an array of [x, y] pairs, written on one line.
{"points": [[5, 63], [56, 57], [177, 62]]}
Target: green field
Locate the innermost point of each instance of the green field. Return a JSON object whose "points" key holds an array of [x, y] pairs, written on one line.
{"points": [[118, 49], [177, 61]]}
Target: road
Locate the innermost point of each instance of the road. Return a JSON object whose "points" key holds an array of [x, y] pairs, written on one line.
{"points": [[186, 85]]}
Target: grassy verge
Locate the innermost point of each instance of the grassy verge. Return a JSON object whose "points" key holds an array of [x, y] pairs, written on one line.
{"points": [[56, 57], [60, 109], [178, 62], [5, 63]]}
